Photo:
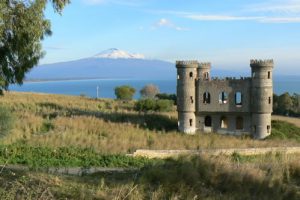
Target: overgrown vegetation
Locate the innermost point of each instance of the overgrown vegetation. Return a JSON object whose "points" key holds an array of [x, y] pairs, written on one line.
{"points": [[286, 104], [44, 157], [273, 176], [285, 130], [159, 105], [6, 121]]}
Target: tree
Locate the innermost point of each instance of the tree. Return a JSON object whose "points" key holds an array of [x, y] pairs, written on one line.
{"points": [[285, 103], [149, 91], [166, 96], [22, 28], [124, 92]]}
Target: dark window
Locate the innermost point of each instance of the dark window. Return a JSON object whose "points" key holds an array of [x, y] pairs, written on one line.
{"points": [[207, 121], [192, 100], [268, 129], [223, 98], [270, 100], [239, 123], [223, 122], [238, 98], [191, 74], [269, 74], [206, 98], [191, 122]]}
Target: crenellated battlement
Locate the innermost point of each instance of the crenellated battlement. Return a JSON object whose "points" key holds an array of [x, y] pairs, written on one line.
{"points": [[187, 62], [230, 78], [204, 65], [262, 63]]}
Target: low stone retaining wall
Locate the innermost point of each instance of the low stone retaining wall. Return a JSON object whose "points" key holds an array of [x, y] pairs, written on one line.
{"points": [[229, 151]]}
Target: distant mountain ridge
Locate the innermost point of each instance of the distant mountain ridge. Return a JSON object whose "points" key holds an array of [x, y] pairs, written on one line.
{"points": [[118, 64], [112, 63]]}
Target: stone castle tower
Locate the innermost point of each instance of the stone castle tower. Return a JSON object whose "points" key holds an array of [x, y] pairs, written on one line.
{"points": [[227, 106]]}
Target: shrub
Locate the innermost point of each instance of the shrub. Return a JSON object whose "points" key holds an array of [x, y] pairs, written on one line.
{"points": [[124, 92], [6, 121], [149, 91], [164, 105], [154, 105], [172, 97]]}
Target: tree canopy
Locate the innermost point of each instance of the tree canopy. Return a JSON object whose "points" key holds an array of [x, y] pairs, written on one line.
{"points": [[149, 91], [124, 92], [22, 28]]}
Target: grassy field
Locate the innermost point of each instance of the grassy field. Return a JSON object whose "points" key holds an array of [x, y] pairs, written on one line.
{"points": [[61, 131], [108, 126]]}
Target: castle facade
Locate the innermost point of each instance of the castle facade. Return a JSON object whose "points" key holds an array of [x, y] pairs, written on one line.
{"points": [[226, 106]]}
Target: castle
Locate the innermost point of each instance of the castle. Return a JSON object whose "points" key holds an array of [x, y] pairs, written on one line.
{"points": [[226, 106]]}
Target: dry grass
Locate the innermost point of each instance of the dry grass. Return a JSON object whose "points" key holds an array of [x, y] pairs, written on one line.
{"points": [[292, 120], [208, 177], [107, 125]]}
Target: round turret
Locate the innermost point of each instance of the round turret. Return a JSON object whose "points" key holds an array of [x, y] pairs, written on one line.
{"points": [[186, 76], [203, 71], [261, 97]]}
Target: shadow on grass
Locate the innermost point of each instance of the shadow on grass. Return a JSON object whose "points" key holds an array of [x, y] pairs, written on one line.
{"points": [[196, 176], [147, 121]]}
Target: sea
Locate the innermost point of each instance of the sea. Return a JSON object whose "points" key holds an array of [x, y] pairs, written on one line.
{"points": [[104, 88]]}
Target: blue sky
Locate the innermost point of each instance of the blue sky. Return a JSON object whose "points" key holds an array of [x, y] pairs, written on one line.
{"points": [[227, 33]]}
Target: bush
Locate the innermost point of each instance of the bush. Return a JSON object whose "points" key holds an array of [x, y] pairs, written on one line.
{"points": [[124, 92], [172, 97], [149, 91], [154, 105], [6, 121]]}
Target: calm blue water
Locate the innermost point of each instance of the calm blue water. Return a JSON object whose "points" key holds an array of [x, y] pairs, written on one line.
{"points": [[106, 87]]}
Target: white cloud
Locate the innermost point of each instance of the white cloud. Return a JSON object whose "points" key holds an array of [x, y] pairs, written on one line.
{"points": [[167, 23], [118, 2], [277, 6], [219, 17]]}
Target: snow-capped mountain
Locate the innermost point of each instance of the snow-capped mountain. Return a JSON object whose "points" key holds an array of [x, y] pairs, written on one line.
{"points": [[115, 53], [112, 63]]}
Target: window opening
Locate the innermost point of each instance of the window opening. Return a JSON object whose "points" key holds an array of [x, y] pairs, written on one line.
{"points": [[268, 128], [191, 122], [206, 75], [178, 76], [270, 100], [192, 100], [239, 123], [206, 98], [269, 74], [238, 98], [207, 121], [223, 122], [191, 74], [223, 98]]}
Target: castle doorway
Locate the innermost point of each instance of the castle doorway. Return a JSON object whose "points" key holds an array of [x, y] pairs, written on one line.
{"points": [[239, 123], [223, 122], [207, 121]]}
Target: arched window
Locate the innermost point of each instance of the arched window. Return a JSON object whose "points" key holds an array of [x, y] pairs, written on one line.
{"points": [[206, 76], [223, 98], [223, 122], [206, 98], [191, 74], [238, 98], [207, 121], [239, 123], [269, 74]]}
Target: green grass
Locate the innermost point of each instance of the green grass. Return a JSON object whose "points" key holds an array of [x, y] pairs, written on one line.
{"points": [[285, 130], [43, 157]]}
